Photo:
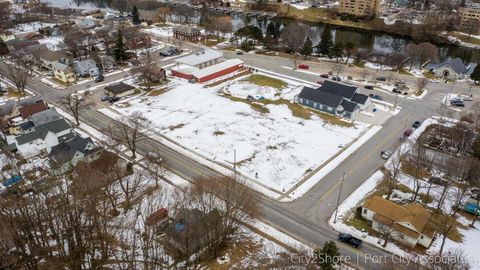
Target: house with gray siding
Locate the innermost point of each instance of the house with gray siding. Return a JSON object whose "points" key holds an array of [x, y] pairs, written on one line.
{"points": [[333, 98]]}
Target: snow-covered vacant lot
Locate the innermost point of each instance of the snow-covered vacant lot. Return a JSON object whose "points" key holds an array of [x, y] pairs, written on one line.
{"points": [[278, 146]]}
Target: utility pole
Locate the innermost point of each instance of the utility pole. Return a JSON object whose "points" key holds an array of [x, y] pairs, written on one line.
{"points": [[338, 199], [235, 161]]}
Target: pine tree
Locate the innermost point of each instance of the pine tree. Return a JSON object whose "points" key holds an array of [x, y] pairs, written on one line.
{"points": [[326, 43], [135, 16], [328, 255], [270, 30], [307, 49], [3, 48], [336, 51], [475, 76], [119, 51]]}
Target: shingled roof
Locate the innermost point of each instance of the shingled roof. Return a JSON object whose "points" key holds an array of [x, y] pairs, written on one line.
{"points": [[42, 131], [456, 64], [320, 97], [338, 89], [65, 151], [36, 107]]}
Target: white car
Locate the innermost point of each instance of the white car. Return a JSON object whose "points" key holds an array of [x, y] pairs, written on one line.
{"points": [[386, 154], [466, 98]]}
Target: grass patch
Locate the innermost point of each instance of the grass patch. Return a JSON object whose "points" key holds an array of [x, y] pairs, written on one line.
{"points": [[11, 93], [404, 188], [404, 72], [243, 161], [255, 106], [419, 92], [409, 168], [156, 92], [263, 80], [429, 75], [358, 223], [333, 120], [425, 198], [465, 38], [218, 133], [176, 127]]}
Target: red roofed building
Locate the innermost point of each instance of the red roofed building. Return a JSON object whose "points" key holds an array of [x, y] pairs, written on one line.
{"points": [[28, 110], [156, 216]]}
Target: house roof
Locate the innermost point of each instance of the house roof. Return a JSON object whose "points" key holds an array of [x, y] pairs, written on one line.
{"points": [[456, 64], [41, 131], [119, 88], [359, 98], [65, 151], [388, 213], [27, 125], [321, 97], [60, 66], [338, 89], [28, 110], [18, 44], [349, 106], [47, 55], [186, 29], [10, 104], [200, 57], [216, 68], [156, 216], [45, 116]]}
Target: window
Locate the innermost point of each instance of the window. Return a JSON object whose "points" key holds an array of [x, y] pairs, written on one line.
{"points": [[401, 236], [300, 100], [421, 236], [365, 210]]}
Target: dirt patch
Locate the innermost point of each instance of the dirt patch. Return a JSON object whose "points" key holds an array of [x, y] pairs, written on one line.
{"points": [[218, 133], [262, 80], [172, 128]]}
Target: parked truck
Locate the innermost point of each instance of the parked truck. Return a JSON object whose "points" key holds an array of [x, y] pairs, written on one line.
{"points": [[349, 239]]}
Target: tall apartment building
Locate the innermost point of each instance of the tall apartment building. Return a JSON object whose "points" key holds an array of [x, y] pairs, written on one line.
{"points": [[359, 7], [470, 18]]}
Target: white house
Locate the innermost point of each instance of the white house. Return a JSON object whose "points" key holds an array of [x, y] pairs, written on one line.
{"points": [[42, 138], [411, 224], [87, 68]]}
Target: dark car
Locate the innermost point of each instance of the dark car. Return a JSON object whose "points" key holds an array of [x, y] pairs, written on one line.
{"points": [[324, 76], [408, 132], [457, 103], [239, 53], [114, 99], [303, 66], [395, 90], [99, 78], [438, 181], [349, 239], [336, 78], [382, 79], [369, 87], [375, 96], [320, 82], [416, 124]]}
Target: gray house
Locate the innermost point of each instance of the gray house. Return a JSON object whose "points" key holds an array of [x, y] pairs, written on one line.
{"points": [[66, 155], [452, 69], [87, 68], [333, 98]]}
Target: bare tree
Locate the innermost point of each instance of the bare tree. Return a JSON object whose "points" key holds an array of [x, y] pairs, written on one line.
{"points": [[426, 51], [294, 35], [164, 14], [386, 232], [421, 83], [130, 131], [76, 103], [18, 77], [149, 74]]}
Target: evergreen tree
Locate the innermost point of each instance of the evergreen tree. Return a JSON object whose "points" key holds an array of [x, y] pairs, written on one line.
{"points": [[135, 16], [270, 30], [307, 49], [336, 51], [276, 32], [475, 76], [328, 255], [3, 48], [326, 43], [119, 51]]}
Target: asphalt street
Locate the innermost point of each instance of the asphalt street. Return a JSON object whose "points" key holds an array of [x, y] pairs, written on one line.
{"points": [[305, 218]]}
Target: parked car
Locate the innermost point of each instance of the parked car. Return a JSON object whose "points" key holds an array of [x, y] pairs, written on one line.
{"points": [[416, 124], [99, 78], [114, 99], [369, 87], [105, 98], [239, 53], [349, 239], [324, 75], [375, 96], [395, 90], [336, 78], [303, 66], [457, 103], [408, 132], [382, 79], [386, 154], [154, 157], [320, 82], [438, 181]]}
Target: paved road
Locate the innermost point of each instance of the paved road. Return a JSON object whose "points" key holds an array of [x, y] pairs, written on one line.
{"points": [[305, 218]]}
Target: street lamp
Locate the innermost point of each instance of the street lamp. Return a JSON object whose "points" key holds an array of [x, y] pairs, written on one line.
{"points": [[338, 198]]}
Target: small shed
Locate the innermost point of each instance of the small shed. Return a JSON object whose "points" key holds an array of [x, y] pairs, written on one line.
{"points": [[120, 90], [156, 217]]}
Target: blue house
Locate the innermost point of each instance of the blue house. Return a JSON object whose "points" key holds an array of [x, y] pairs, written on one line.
{"points": [[333, 98]]}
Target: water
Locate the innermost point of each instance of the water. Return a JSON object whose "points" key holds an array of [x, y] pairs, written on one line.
{"points": [[378, 42]]}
